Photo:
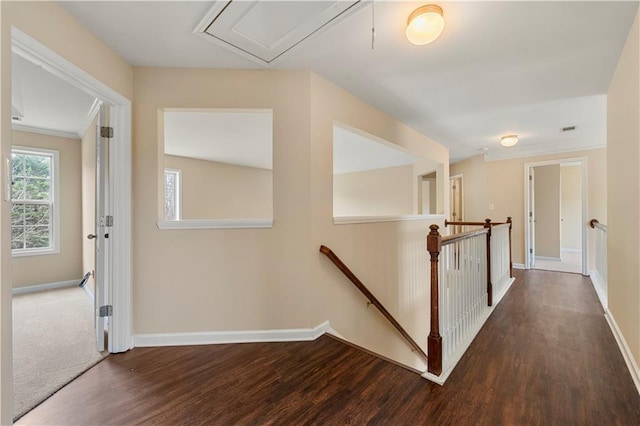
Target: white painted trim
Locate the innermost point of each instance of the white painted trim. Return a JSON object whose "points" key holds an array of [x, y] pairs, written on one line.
{"points": [[600, 287], [120, 324], [344, 220], [553, 259], [45, 287], [215, 224], [42, 131], [241, 336], [37, 53], [120, 336], [537, 151], [518, 266], [624, 349], [570, 250], [442, 378], [55, 213]]}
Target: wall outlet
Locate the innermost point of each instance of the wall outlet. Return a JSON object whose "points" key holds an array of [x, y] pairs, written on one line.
{"points": [[490, 206]]}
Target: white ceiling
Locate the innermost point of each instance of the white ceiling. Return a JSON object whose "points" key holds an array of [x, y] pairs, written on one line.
{"points": [[48, 104], [353, 152], [499, 67], [244, 138]]}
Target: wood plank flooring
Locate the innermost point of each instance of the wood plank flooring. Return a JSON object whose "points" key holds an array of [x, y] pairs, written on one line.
{"points": [[545, 357]]}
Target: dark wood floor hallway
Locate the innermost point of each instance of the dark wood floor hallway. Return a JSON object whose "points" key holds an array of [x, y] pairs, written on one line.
{"points": [[546, 356]]}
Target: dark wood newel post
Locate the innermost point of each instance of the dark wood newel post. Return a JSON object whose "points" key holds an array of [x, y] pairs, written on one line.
{"points": [[487, 224], [510, 258], [434, 341]]}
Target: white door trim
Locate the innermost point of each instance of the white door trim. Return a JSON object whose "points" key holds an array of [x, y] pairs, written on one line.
{"points": [[120, 335], [585, 204]]}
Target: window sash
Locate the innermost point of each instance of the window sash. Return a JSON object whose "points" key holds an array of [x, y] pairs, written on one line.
{"points": [[172, 192], [34, 232]]}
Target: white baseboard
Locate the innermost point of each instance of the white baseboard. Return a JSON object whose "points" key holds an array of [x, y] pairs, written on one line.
{"points": [[518, 266], [600, 287], [46, 286], [624, 348], [571, 250], [242, 336], [448, 369], [554, 259]]}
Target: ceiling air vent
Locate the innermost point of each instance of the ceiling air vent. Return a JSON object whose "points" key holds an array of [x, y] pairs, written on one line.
{"points": [[568, 129]]}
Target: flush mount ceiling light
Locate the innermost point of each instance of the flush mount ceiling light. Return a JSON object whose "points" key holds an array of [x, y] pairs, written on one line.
{"points": [[425, 24], [509, 140]]}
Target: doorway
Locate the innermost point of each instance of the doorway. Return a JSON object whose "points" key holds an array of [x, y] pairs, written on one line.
{"points": [[117, 284], [556, 215], [456, 197]]}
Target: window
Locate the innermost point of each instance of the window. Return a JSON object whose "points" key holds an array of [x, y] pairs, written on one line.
{"points": [[172, 204], [34, 206]]}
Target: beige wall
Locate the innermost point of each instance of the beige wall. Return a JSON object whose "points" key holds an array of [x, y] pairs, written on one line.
{"points": [[571, 207], [386, 191], [547, 210], [88, 147], [49, 24], [390, 258], [235, 279], [475, 188], [501, 183], [212, 190], [66, 265], [210, 280], [623, 184]]}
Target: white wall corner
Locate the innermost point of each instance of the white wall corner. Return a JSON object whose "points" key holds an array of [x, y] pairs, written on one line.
{"points": [[624, 348], [241, 336]]}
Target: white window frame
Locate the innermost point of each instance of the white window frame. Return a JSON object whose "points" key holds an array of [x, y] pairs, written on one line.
{"points": [[178, 193], [55, 202]]}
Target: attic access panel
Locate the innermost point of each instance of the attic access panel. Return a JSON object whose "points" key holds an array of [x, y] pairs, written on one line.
{"points": [[265, 30]]}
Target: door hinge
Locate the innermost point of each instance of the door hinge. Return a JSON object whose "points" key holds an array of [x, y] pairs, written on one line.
{"points": [[106, 311], [530, 177], [106, 132], [531, 251], [530, 214], [106, 221]]}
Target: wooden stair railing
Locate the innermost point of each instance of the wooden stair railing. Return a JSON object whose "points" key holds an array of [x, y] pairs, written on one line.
{"points": [[372, 299], [487, 223], [435, 243]]}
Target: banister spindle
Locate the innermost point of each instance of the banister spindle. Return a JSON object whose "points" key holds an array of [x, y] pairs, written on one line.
{"points": [[487, 224], [434, 341]]}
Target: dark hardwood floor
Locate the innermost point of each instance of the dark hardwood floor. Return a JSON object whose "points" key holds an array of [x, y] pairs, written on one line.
{"points": [[545, 357]]}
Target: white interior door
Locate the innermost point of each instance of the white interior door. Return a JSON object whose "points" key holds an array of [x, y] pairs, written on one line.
{"points": [[103, 226]]}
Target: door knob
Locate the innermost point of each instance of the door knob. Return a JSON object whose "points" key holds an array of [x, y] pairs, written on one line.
{"points": [[92, 236]]}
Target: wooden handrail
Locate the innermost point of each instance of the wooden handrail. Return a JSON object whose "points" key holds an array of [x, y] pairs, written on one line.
{"points": [[450, 239], [374, 301], [447, 223], [594, 223]]}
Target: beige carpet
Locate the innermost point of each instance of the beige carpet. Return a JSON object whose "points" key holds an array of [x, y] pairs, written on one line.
{"points": [[53, 342]]}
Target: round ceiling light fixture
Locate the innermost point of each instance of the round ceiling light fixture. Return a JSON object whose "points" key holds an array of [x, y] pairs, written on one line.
{"points": [[509, 140], [425, 24]]}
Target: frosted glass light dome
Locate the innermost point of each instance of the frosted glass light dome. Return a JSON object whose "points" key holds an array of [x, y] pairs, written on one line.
{"points": [[425, 24]]}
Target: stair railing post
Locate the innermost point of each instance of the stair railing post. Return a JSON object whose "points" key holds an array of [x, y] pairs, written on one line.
{"points": [[487, 224], [434, 341], [510, 254]]}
